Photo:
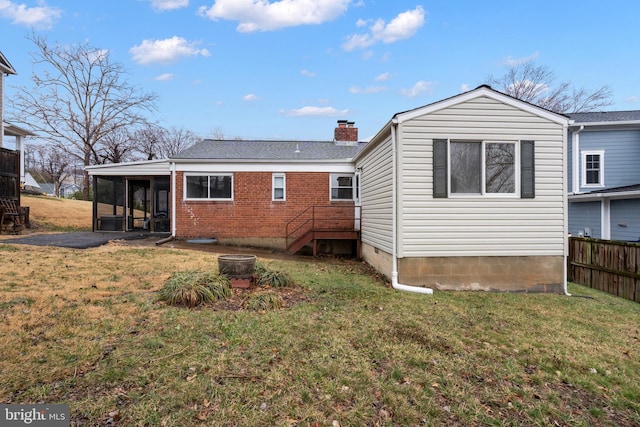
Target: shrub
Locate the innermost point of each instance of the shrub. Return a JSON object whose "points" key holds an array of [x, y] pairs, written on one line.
{"points": [[194, 287]]}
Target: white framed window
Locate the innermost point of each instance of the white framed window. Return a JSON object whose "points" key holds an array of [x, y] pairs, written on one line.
{"points": [[341, 187], [485, 168], [593, 168], [279, 187], [208, 187]]}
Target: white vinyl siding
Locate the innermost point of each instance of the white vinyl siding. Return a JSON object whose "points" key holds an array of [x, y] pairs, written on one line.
{"points": [[480, 226], [376, 193]]}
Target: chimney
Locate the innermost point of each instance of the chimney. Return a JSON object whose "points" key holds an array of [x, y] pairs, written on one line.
{"points": [[346, 131]]}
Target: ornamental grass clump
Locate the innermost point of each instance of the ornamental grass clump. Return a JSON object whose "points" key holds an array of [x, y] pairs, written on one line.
{"points": [[194, 287], [274, 279], [263, 302]]}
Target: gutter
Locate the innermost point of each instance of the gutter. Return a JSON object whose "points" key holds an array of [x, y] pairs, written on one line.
{"points": [[394, 216]]}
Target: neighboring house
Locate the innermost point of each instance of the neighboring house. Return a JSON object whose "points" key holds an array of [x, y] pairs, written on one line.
{"points": [[465, 193], [68, 190], [12, 174], [31, 185], [604, 177], [48, 188]]}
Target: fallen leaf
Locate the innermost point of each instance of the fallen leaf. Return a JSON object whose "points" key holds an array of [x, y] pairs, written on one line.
{"points": [[192, 377]]}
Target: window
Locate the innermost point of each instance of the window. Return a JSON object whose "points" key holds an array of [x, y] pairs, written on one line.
{"points": [[483, 168], [341, 187], [593, 168], [214, 187], [279, 191]]}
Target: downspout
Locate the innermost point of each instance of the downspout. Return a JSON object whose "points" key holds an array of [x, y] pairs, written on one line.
{"points": [[394, 221], [173, 199], [575, 148], [575, 142]]}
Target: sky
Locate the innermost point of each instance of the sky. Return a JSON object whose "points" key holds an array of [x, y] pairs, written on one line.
{"points": [[289, 69]]}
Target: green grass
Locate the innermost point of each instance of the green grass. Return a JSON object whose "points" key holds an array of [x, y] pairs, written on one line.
{"points": [[355, 351]]}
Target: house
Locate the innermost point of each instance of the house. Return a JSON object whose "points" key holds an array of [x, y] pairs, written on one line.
{"points": [[30, 185], [604, 178], [12, 173], [465, 193], [278, 194]]}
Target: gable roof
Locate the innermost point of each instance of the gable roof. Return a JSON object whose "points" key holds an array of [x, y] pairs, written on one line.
{"points": [[481, 91], [5, 65], [211, 149]]}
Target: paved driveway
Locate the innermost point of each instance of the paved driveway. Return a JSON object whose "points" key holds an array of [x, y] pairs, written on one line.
{"points": [[78, 240]]}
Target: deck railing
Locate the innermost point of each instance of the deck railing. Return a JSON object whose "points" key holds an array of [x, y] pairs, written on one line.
{"points": [[322, 218]]}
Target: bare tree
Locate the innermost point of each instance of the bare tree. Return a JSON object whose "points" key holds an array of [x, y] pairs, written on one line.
{"points": [[176, 140], [117, 147], [155, 142], [80, 97], [54, 166], [148, 140], [536, 84]]}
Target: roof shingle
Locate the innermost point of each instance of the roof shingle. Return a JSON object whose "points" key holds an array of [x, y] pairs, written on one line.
{"points": [[270, 150]]}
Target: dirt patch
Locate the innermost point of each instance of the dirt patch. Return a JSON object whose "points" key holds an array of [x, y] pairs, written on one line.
{"points": [[290, 297]]}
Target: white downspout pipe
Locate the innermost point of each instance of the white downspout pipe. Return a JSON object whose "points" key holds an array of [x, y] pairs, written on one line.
{"points": [[394, 220], [574, 166], [173, 199], [575, 163]]}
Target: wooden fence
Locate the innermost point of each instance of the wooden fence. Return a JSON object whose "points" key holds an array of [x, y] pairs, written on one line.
{"points": [[606, 265]]}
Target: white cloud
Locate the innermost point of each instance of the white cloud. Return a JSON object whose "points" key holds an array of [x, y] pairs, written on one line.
{"points": [[164, 77], [315, 112], [162, 5], [512, 62], [403, 26], [262, 15], [464, 87], [308, 73], [632, 99], [250, 97], [418, 89], [383, 77], [41, 17], [370, 89], [165, 51]]}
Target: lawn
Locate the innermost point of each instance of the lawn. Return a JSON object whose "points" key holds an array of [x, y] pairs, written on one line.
{"points": [[85, 328]]}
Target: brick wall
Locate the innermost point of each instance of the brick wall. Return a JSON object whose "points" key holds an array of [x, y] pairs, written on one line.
{"points": [[252, 215]]}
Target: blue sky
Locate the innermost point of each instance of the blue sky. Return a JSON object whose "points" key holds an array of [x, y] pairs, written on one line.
{"points": [[290, 69]]}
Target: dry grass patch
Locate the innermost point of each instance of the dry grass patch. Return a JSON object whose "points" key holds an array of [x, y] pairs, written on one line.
{"points": [[58, 214], [84, 327]]}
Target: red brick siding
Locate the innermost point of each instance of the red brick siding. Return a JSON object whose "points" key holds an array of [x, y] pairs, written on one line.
{"points": [[252, 213]]}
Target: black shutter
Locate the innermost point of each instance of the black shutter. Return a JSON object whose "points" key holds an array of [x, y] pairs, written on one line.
{"points": [[527, 170], [440, 168]]}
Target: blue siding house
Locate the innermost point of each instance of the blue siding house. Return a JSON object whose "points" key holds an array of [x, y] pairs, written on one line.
{"points": [[604, 175]]}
